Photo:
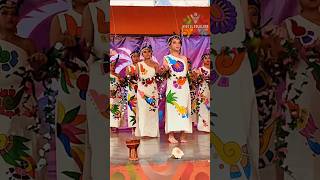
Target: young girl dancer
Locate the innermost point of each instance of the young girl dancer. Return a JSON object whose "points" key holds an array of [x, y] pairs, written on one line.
{"points": [[115, 98], [178, 105], [203, 95], [132, 90], [73, 84], [234, 99], [147, 96], [303, 91]]}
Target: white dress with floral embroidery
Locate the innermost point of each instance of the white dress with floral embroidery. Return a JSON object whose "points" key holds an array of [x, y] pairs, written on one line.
{"points": [[71, 104], [147, 102], [235, 124], [97, 95], [132, 99], [303, 148], [115, 102], [204, 100], [18, 145], [178, 99]]}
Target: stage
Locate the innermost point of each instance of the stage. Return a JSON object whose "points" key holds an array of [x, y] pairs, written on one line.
{"points": [[154, 161]]}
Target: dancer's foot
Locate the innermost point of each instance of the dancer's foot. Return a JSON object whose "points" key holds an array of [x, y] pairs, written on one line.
{"points": [[183, 138], [172, 140]]}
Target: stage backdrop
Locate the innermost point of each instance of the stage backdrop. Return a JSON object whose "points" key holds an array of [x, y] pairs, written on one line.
{"points": [[192, 47], [159, 20]]}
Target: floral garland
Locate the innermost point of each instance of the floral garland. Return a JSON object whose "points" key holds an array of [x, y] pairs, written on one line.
{"points": [[46, 74]]}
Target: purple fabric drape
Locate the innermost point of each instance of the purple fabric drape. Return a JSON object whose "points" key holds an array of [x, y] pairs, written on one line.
{"points": [[278, 10], [193, 47]]}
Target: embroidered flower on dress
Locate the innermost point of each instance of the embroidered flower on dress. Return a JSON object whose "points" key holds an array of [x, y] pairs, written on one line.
{"points": [[223, 16]]}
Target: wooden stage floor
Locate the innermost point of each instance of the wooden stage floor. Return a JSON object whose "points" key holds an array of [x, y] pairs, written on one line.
{"points": [[158, 150], [154, 161]]}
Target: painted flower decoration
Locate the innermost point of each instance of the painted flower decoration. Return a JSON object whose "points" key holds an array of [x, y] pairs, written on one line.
{"points": [[227, 63], [132, 102], [151, 100], [68, 132], [207, 103], [305, 36], [172, 99], [8, 60], [143, 70], [223, 16], [179, 82], [82, 84], [176, 65], [14, 152]]}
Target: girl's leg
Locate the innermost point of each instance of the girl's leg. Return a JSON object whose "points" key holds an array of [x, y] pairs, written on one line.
{"points": [[183, 138], [171, 138]]}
